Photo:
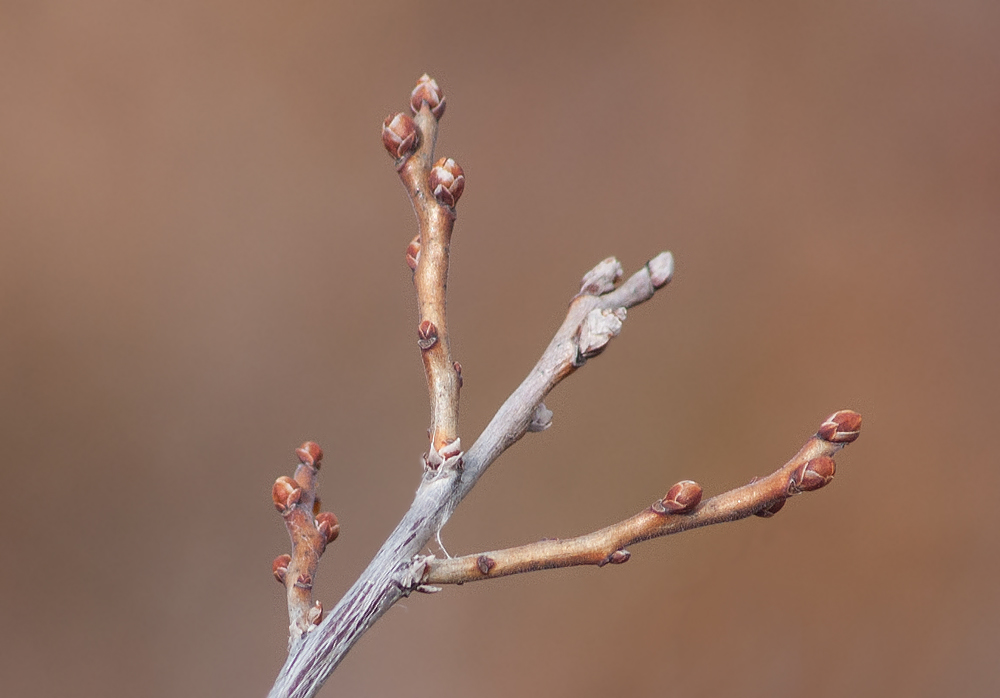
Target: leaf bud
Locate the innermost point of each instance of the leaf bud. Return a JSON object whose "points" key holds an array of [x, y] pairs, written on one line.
{"points": [[682, 497], [285, 493], [328, 526], [399, 135], [447, 181], [427, 90]]}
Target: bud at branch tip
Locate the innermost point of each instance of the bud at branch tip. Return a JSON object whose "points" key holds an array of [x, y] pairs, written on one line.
{"points": [[280, 567], [427, 91], [841, 427], [682, 497], [413, 253], [328, 526], [310, 454], [285, 493]]}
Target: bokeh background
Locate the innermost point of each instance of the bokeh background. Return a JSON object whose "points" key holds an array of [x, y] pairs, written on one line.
{"points": [[201, 266]]}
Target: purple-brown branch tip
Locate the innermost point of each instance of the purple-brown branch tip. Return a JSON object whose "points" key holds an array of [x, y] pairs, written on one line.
{"points": [[841, 427], [812, 475], [328, 526]]}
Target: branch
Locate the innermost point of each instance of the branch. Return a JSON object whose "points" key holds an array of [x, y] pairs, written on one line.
{"points": [[680, 510], [433, 192], [296, 501]]}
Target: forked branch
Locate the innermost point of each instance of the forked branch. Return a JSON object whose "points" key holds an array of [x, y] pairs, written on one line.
{"points": [[594, 317], [310, 531]]}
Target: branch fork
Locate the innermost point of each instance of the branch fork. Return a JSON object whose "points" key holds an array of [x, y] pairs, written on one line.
{"points": [[595, 316]]}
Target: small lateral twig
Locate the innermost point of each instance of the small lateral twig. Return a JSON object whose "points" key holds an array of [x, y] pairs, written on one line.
{"points": [[681, 509], [433, 190], [310, 531]]}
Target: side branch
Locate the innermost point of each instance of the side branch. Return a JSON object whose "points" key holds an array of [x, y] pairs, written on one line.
{"points": [[396, 569], [433, 191], [310, 532], [593, 319], [810, 469]]}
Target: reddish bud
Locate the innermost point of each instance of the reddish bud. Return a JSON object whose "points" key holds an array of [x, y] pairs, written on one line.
{"points": [[682, 497], [427, 90], [770, 510], [280, 567], [285, 493], [485, 563], [315, 614], [328, 526], [618, 557], [427, 335], [310, 454], [841, 427], [458, 372], [812, 475], [413, 253], [399, 135], [447, 181]]}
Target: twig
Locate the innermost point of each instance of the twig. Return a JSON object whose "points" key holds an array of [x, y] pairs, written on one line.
{"points": [[811, 468], [296, 501], [397, 569], [433, 191]]}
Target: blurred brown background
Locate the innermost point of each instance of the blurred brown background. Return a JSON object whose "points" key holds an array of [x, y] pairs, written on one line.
{"points": [[202, 239]]}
